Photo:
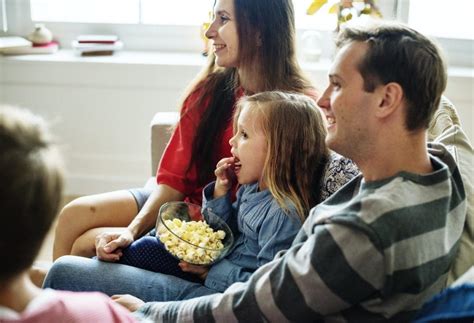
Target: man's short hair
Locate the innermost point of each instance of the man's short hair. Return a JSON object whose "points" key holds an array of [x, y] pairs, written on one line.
{"points": [[397, 53], [31, 177]]}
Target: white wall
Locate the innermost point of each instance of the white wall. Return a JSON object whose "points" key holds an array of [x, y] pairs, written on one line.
{"points": [[100, 111], [101, 108]]}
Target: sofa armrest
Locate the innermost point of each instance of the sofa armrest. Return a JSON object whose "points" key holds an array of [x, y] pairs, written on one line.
{"points": [[160, 134]]}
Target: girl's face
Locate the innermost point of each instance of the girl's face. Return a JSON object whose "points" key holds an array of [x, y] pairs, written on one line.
{"points": [[249, 148], [223, 33]]}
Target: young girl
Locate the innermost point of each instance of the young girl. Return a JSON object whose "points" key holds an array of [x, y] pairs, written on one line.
{"points": [[278, 158]]}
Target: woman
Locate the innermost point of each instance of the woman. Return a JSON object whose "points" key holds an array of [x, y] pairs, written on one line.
{"points": [[254, 51]]}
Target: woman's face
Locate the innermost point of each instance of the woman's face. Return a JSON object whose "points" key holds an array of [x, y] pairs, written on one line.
{"points": [[223, 33]]}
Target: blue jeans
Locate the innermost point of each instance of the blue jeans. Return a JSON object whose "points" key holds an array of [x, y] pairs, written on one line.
{"points": [[83, 274], [454, 304]]}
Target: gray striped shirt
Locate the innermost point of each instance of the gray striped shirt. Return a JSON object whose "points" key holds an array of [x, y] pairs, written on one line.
{"points": [[372, 251]]}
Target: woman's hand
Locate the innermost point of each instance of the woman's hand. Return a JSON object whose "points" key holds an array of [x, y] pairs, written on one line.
{"points": [[224, 176], [109, 245], [198, 270], [128, 301]]}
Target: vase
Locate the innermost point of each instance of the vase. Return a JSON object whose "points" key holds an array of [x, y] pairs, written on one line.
{"points": [[41, 35]]}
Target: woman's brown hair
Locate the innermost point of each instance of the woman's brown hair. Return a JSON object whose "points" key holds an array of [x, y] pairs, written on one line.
{"points": [[269, 60]]}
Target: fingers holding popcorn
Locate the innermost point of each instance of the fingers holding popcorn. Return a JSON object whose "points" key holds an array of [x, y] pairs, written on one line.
{"points": [[224, 176]]}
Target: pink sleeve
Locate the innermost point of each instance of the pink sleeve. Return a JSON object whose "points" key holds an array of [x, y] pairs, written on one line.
{"points": [[83, 307]]}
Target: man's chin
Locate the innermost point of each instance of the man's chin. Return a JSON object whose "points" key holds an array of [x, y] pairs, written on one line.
{"points": [[330, 142]]}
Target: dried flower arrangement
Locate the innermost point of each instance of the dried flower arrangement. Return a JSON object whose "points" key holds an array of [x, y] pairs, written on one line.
{"points": [[346, 10]]}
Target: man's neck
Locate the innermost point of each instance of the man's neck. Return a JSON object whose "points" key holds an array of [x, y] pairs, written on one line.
{"points": [[407, 154], [18, 293]]}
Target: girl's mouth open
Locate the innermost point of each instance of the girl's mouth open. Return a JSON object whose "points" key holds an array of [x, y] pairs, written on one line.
{"points": [[237, 165]]}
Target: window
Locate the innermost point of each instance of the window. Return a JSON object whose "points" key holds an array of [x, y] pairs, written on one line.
{"points": [[159, 12], [86, 11], [176, 25], [449, 22], [447, 19], [144, 24], [163, 12]]}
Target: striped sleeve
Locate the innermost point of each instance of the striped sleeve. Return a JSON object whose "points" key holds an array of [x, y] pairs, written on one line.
{"points": [[302, 284]]}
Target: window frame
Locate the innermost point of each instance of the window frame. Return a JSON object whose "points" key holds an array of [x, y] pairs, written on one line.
{"points": [[179, 38]]}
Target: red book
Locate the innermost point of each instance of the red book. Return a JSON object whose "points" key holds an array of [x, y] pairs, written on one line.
{"points": [[97, 39], [47, 45], [49, 48]]}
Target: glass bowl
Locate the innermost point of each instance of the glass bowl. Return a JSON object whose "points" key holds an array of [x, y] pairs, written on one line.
{"points": [[199, 238]]}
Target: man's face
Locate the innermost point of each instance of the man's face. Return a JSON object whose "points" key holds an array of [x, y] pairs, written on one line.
{"points": [[347, 106]]}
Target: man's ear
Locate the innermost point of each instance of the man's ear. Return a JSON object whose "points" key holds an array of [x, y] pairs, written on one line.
{"points": [[391, 97]]}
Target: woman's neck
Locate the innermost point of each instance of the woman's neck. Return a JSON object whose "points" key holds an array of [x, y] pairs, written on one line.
{"points": [[249, 82], [18, 293]]}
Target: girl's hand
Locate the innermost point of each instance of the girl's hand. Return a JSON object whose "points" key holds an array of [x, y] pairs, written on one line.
{"points": [[128, 301], [224, 176], [200, 271]]}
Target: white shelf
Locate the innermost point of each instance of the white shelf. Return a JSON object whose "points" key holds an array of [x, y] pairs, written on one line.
{"points": [[120, 57]]}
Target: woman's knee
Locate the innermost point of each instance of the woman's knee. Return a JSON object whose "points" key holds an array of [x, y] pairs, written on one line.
{"points": [[74, 215], [84, 245], [113, 209], [108, 209], [73, 221]]}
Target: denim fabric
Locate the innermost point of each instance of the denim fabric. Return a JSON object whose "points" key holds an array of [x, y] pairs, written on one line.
{"points": [[83, 274], [140, 195], [455, 304], [261, 229]]}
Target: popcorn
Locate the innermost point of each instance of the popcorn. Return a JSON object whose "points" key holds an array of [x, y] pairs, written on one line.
{"points": [[197, 233]]}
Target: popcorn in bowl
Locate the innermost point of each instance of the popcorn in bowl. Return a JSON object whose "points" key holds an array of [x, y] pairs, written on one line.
{"points": [[191, 236]]}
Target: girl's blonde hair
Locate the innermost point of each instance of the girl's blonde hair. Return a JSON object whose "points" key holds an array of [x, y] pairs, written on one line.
{"points": [[297, 153]]}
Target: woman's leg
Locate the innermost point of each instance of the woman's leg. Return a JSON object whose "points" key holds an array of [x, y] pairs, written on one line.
{"points": [[84, 274], [114, 209], [84, 246]]}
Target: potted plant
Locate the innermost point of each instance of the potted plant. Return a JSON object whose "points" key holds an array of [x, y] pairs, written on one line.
{"points": [[346, 10]]}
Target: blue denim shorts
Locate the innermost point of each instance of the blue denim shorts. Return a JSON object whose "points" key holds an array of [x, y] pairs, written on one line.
{"points": [[140, 195]]}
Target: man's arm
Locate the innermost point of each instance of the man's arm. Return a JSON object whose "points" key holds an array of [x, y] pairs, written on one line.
{"points": [[323, 275]]}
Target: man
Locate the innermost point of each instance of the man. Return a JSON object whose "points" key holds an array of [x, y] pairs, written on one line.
{"points": [[383, 244]]}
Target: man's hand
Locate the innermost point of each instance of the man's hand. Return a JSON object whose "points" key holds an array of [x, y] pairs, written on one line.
{"points": [[198, 270], [109, 245], [224, 176], [128, 301]]}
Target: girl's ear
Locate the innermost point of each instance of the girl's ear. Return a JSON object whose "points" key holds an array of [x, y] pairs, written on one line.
{"points": [[391, 97]]}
